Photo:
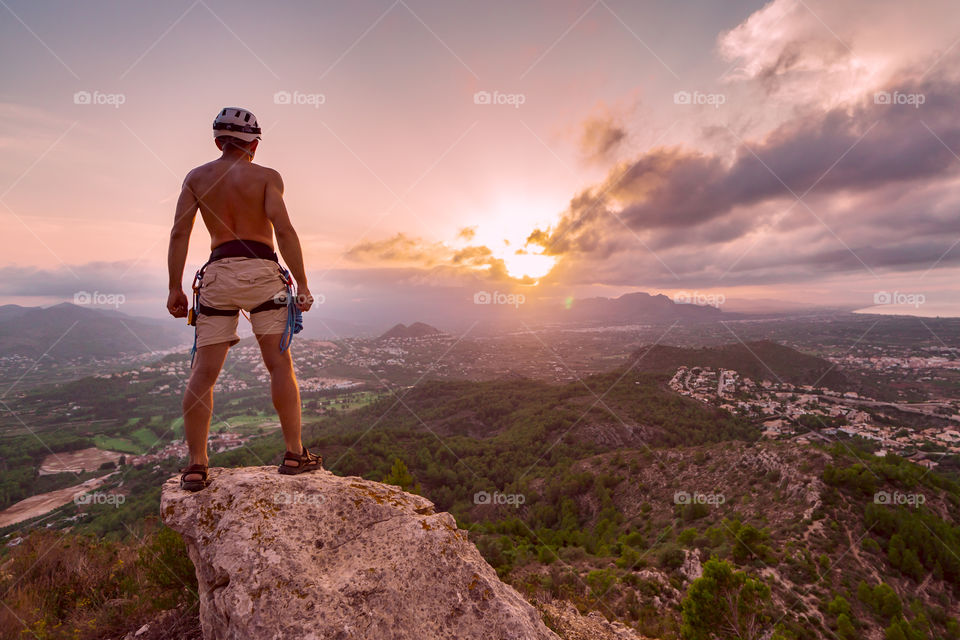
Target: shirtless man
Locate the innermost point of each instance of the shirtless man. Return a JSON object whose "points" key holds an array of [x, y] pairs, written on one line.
{"points": [[241, 204]]}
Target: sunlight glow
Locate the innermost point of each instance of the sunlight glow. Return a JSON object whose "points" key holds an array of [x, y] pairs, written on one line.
{"points": [[533, 265], [505, 223]]}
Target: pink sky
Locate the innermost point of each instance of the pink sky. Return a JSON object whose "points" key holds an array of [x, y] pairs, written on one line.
{"points": [[790, 179]]}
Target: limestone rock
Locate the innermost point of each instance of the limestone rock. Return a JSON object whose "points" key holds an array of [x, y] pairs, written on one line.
{"points": [[565, 618], [320, 556], [691, 569]]}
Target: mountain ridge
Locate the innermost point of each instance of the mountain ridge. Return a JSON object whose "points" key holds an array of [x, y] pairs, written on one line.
{"points": [[415, 330], [66, 331]]}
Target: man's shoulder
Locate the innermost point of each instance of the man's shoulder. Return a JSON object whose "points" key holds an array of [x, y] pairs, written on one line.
{"points": [[273, 173], [270, 175], [197, 171]]}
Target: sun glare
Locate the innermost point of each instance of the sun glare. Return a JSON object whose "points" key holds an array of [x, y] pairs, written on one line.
{"points": [[533, 265]]}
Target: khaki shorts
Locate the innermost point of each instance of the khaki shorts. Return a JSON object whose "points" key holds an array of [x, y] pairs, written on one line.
{"points": [[240, 283]]}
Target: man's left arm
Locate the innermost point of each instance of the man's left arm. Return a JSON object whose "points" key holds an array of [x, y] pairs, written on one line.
{"points": [[183, 220]]}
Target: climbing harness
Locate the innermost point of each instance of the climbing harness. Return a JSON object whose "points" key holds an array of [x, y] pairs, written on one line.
{"points": [[288, 298]]}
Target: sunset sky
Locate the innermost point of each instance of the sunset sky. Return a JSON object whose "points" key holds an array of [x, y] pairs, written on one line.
{"points": [[741, 148]]}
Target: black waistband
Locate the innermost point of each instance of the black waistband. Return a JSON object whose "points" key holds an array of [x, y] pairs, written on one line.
{"points": [[243, 249]]}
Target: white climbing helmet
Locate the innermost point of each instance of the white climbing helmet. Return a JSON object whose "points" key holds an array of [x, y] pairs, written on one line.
{"points": [[236, 122]]}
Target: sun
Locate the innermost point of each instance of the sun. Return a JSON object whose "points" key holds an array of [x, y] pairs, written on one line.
{"points": [[531, 265], [504, 225]]}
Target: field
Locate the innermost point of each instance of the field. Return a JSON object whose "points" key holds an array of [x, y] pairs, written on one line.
{"points": [[117, 444], [244, 424], [40, 504], [77, 461], [350, 401]]}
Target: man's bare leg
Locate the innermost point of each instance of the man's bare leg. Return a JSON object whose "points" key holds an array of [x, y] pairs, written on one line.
{"points": [[198, 401], [283, 389]]}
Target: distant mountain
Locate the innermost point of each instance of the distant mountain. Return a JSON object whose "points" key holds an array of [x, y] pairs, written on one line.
{"points": [[68, 331], [8, 311], [630, 308], [415, 330], [636, 307], [760, 360]]}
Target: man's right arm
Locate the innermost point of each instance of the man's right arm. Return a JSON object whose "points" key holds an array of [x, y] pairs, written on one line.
{"points": [[287, 240], [183, 220]]}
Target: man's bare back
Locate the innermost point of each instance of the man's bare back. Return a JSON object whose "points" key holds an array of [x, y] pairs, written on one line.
{"points": [[233, 198]]}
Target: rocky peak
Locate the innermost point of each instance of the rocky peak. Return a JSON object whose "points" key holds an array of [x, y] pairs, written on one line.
{"points": [[322, 556]]}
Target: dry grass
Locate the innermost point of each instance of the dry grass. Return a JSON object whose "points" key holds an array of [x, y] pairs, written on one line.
{"points": [[58, 586]]}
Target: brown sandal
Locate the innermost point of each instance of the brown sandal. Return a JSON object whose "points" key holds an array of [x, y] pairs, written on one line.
{"points": [[306, 461], [194, 485]]}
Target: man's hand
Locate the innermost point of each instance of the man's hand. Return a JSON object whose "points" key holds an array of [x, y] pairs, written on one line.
{"points": [[304, 299], [177, 303]]}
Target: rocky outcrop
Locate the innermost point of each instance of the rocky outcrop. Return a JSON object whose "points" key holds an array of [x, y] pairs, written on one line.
{"points": [[691, 569], [322, 556], [565, 618]]}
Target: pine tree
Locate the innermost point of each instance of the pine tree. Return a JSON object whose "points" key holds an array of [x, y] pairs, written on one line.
{"points": [[845, 628], [401, 477], [725, 604]]}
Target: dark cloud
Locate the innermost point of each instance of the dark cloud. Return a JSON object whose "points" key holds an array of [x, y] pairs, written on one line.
{"points": [[601, 137], [796, 56], [870, 175]]}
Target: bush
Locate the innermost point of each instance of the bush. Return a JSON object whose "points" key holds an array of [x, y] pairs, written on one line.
{"points": [[80, 587], [687, 536], [845, 628], [838, 606], [600, 581], [694, 511], [168, 568], [572, 554], [671, 558]]}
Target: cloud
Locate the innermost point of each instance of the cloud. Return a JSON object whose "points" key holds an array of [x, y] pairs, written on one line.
{"points": [[434, 260], [400, 249], [601, 137], [33, 127], [870, 175], [473, 256], [827, 53]]}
